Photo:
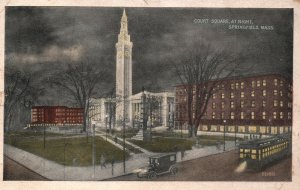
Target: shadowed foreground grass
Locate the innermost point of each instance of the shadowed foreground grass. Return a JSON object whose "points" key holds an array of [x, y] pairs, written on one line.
{"points": [[72, 151]]}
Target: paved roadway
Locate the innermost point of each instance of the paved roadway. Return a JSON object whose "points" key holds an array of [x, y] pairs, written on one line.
{"points": [[221, 167], [16, 171]]}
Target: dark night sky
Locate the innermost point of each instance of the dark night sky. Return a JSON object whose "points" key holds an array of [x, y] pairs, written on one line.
{"points": [[43, 39]]}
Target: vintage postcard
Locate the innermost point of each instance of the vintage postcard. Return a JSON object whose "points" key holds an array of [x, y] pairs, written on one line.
{"points": [[193, 95]]}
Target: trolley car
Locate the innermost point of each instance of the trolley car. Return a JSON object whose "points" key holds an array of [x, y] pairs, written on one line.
{"points": [[261, 152]]}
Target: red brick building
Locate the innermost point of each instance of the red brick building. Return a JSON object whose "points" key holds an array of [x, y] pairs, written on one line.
{"points": [[56, 115], [256, 104]]}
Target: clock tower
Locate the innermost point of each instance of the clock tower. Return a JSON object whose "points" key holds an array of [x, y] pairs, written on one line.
{"points": [[123, 72]]}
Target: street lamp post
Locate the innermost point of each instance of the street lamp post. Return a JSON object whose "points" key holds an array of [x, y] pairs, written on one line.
{"points": [[106, 116], [235, 127], [44, 136], [224, 121]]}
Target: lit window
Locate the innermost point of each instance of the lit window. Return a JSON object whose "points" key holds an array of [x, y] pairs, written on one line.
{"points": [[242, 104], [289, 115], [275, 82], [231, 115], [264, 103], [281, 115], [213, 115], [252, 93], [231, 95], [263, 115], [275, 103], [222, 86], [289, 104], [280, 92], [242, 115], [237, 85], [275, 92], [222, 95], [258, 83], [242, 85], [281, 83], [264, 92], [253, 84], [222, 115], [281, 103], [223, 105], [274, 115], [242, 94], [231, 104], [253, 104], [252, 115], [214, 96], [232, 85], [264, 83], [213, 105]]}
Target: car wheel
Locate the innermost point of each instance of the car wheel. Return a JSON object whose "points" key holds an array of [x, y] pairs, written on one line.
{"points": [[152, 175], [174, 170]]}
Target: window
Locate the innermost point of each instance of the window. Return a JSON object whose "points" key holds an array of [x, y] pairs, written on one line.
{"points": [[242, 85], [242, 104], [242, 115], [280, 92], [231, 115], [253, 84], [263, 115], [275, 82], [231, 104], [264, 92], [252, 115], [258, 83], [275, 115], [223, 105], [236, 85], [275, 92], [242, 94], [252, 93], [264, 103], [214, 96], [281, 83], [281, 115], [275, 103], [213, 115], [253, 103], [232, 85], [264, 83], [222, 95], [289, 115], [289, 104], [222, 115], [213, 105], [281, 103], [231, 95]]}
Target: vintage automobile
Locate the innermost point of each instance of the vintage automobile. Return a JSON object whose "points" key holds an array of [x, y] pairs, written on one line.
{"points": [[158, 165]]}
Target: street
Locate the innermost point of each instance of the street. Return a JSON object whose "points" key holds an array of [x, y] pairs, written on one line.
{"points": [[220, 167]]}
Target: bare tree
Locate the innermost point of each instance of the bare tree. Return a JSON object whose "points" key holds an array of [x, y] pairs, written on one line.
{"points": [[20, 91], [80, 81], [201, 70]]}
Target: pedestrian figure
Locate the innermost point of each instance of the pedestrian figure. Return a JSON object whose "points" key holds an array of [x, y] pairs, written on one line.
{"points": [[116, 139], [260, 135], [102, 161], [112, 166], [218, 145], [74, 161], [182, 154]]}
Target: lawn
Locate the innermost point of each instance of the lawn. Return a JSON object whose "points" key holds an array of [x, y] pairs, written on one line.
{"points": [[72, 151], [165, 144]]}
